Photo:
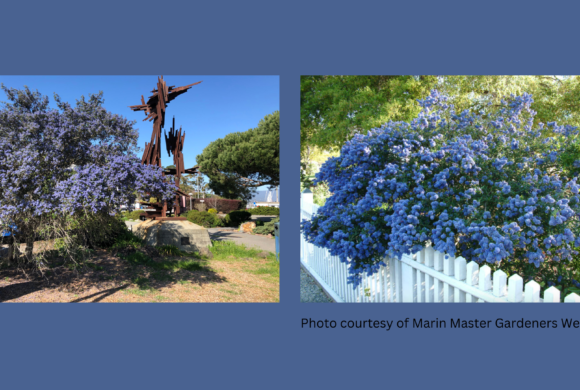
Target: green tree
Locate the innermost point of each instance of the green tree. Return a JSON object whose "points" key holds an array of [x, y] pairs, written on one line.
{"points": [[335, 108], [556, 98], [242, 161]]}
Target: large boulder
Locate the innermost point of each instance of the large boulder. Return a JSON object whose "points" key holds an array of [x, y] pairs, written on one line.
{"points": [[185, 235]]}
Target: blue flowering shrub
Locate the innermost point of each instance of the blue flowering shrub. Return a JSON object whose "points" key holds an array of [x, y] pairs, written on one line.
{"points": [[489, 186], [65, 170]]}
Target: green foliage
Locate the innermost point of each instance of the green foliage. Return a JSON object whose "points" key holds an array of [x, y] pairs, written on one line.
{"points": [[127, 240], [268, 227], [224, 249], [203, 218], [571, 154], [242, 161], [191, 212], [237, 217], [131, 215], [263, 210], [335, 108], [169, 250], [556, 98], [212, 211], [98, 230], [139, 258]]}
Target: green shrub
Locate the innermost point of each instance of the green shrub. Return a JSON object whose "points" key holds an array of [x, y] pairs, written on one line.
{"points": [[263, 210], [268, 227], [205, 219], [168, 250], [235, 218], [212, 211], [98, 230], [127, 239], [132, 214], [191, 212]]}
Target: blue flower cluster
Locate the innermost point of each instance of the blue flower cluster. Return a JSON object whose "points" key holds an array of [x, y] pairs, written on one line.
{"points": [[487, 186], [70, 159]]}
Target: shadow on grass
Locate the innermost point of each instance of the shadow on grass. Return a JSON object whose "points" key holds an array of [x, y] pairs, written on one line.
{"points": [[109, 273], [17, 290], [102, 294]]}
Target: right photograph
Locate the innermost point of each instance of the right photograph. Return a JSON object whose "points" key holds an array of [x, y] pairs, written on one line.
{"points": [[440, 189]]}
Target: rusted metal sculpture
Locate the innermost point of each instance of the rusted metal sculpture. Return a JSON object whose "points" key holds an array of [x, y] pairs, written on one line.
{"points": [[155, 111], [174, 145]]}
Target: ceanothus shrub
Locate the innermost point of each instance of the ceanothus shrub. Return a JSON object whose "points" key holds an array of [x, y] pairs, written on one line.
{"points": [[488, 186], [57, 163]]}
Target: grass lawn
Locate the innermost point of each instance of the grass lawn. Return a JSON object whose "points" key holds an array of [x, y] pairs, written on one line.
{"points": [[129, 272]]}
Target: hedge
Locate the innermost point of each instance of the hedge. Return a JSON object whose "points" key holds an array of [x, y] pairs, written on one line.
{"points": [[264, 210], [204, 219]]}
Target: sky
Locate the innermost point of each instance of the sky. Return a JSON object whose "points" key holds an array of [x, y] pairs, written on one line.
{"points": [[218, 106]]}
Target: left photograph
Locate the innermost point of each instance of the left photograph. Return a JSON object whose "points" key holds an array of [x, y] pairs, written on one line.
{"points": [[139, 188]]}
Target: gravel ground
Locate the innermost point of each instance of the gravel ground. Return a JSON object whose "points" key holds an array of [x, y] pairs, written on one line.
{"points": [[310, 291]]}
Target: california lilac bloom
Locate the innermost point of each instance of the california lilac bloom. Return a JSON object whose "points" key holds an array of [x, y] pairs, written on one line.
{"points": [[481, 187], [58, 162]]}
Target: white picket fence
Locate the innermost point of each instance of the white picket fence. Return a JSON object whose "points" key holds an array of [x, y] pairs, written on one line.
{"points": [[426, 276]]}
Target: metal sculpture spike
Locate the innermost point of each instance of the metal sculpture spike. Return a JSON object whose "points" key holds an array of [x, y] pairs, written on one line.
{"points": [[155, 111]]}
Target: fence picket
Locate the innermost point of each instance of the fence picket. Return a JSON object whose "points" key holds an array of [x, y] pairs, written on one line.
{"points": [[499, 283], [438, 284], [532, 293], [552, 295], [420, 286], [515, 288], [572, 298], [460, 274], [449, 270], [471, 279], [408, 283], [398, 282], [429, 280], [426, 276]]}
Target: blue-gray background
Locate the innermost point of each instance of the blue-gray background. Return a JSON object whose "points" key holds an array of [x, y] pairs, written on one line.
{"points": [[168, 346]]}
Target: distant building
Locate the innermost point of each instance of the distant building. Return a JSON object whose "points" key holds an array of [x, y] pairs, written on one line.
{"points": [[265, 198]]}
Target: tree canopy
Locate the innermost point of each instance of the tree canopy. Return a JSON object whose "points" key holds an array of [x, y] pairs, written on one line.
{"points": [[335, 108], [242, 161]]}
